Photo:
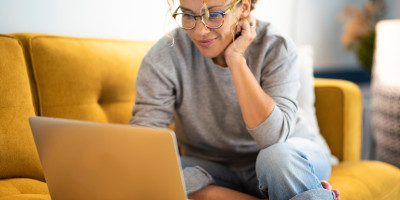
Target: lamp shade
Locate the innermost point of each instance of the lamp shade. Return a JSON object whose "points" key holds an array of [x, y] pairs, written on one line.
{"points": [[386, 92], [387, 52]]}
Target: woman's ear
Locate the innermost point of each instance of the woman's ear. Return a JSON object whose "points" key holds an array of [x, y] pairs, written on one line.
{"points": [[246, 5]]}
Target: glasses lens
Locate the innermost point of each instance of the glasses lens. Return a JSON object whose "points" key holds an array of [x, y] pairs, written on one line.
{"points": [[213, 19], [185, 21]]}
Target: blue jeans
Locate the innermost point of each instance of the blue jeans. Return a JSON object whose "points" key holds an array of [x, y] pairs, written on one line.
{"points": [[282, 171]]}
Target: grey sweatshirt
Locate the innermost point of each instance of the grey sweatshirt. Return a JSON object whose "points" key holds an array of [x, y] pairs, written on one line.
{"points": [[176, 83]]}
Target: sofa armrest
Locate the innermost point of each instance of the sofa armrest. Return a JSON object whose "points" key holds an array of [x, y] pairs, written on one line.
{"points": [[338, 105]]}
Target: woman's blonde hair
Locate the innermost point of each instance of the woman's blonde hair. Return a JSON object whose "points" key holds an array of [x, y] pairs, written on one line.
{"points": [[171, 5]]}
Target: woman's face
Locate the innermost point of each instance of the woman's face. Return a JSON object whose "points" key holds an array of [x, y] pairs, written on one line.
{"points": [[211, 42]]}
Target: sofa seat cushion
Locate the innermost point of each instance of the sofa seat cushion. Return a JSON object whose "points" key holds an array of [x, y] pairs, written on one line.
{"points": [[84, 78], [18, 155], [27, 197], [366, 180], [23, 188]]}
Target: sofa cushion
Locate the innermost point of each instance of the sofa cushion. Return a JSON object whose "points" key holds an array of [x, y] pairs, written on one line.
{"points": [[22, 188], [366, 180], [18, 155], [306, 95], [86, 79], [27, 197]]}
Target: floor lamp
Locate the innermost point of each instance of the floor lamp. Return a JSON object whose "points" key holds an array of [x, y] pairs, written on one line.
{"points": [[385, 90]]}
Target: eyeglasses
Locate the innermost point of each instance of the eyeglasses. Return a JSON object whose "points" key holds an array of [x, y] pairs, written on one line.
{"points": [[211, 20]]}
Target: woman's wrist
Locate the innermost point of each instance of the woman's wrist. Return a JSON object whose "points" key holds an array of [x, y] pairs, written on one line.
{"points": [[235, 60]]}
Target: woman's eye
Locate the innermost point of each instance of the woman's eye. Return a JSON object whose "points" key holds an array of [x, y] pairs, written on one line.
{"points": [[187, 17], [214, 16]]}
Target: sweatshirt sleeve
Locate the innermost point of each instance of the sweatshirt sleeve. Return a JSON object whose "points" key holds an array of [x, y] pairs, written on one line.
{"points": [[279, 79], [155, 96]]}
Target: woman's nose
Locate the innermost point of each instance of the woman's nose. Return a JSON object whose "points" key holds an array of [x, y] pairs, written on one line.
{"points": [[200, 27]]}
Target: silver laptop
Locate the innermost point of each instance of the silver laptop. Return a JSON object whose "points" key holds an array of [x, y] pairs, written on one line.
{"points": [[96, 161]]}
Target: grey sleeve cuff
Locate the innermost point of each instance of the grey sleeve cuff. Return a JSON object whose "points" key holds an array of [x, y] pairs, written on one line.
{"points": [[196, 178], [270, 131]]}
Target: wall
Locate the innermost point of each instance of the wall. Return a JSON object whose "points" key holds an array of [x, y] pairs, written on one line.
{"points": [[122, 19], [306, 21], [317, 23]]}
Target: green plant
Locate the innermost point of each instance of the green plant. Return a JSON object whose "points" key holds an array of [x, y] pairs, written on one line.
{"points": [[359, 29], [365, 51]]}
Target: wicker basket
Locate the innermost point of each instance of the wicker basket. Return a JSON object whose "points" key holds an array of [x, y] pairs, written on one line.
{"points": [[386, 121]]}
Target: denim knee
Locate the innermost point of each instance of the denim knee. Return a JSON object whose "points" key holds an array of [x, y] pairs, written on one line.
{"points": [[273, 161], [283, 172], [279, 153]]}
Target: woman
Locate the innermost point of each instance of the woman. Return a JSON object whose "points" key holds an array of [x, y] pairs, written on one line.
{"points": [[229, 83]]}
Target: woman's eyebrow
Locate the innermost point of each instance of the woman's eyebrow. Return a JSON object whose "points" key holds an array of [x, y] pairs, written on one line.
{"points": [[188, 10]]}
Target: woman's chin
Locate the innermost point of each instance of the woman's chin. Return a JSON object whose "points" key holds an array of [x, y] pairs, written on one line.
{"points": [[209, 54]]}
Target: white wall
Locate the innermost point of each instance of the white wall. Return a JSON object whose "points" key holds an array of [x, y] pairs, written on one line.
{"points": [[316, 23], [122, 19], [281, 13], [306, 21]]}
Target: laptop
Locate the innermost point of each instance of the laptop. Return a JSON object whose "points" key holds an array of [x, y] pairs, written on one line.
{"points": [[86, 160]]}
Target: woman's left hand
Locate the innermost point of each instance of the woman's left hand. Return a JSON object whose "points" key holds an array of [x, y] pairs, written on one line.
{"points": [[247, 28]]}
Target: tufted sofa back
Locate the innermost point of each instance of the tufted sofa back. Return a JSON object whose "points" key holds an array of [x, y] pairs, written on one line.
{"points": [[65, 77], [18, 156], [80, 78]]}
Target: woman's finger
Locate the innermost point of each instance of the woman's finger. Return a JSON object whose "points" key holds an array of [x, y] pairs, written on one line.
{"points": [[337, 193], [326, 185]]}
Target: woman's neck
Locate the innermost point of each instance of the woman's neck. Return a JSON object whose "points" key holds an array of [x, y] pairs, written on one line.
{"points": [[220, 60]]}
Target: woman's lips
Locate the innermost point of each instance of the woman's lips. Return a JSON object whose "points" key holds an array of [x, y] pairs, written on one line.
{"points": [[206, 43]]}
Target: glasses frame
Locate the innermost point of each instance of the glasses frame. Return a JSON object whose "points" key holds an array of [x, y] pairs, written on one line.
{"points": [[202, 16]]}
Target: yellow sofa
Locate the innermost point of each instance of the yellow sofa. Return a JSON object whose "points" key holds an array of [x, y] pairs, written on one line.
{"points": [[94, 79]]}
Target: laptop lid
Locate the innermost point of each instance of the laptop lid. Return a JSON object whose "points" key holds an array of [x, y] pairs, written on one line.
{"points": [[87, 160]]}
